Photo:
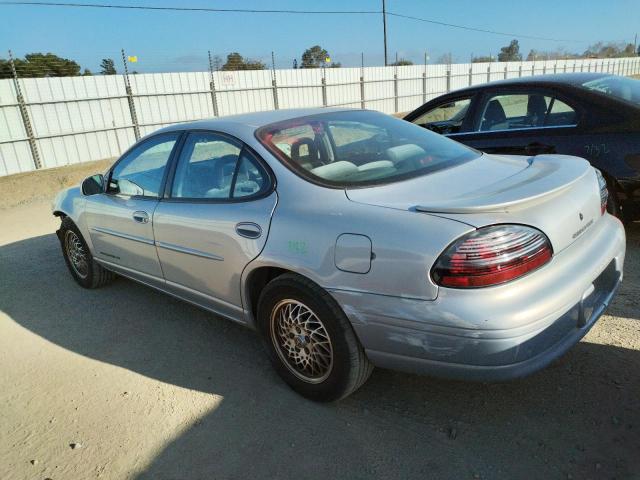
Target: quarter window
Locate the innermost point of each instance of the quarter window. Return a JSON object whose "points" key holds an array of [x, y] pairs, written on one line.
{"points": [[518, 111], [140, 172], [445, 118], [214, 166]]}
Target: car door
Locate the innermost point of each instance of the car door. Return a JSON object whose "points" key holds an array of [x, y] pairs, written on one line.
{"points": [[522, 122], [120, 219], [214, 220]]}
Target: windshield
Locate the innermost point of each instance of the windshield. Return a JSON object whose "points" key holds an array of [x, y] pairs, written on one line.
{"points": [[360, 147], [620, 87]]}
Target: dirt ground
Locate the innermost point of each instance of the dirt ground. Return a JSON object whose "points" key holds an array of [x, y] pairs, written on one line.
{"points": [[25, 188], [147, 387]]}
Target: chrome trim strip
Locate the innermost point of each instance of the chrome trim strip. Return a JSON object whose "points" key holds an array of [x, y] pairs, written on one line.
{"points": [[126, 236], [476, 132], [189, 251]]}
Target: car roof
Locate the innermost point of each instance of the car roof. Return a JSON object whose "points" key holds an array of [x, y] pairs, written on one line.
{"points": [[254, 120], [551, 80]]}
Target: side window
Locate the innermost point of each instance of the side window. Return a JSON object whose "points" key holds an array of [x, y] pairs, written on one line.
{"points": [[445, 118], [213, 166], [251, 178], [533, 110], [141, 171], [560, 114]]}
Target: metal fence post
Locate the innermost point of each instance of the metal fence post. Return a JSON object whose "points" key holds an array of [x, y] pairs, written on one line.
{"points": [[448, 79], [544, 68], [324, 88], [489, 73], [395, 90], [274, 84], [362, 104], [470, 75], [555, 67], [574, 66], [212, 87], [565, 66], [506, 72], [520, 71], [24, 113], [132, 105]]}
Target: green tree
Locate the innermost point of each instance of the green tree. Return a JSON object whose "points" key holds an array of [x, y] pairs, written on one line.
{"points": [[314, 57], [87, 73], [235, 61], [401, 63], [510, 53], [482, 59], [108, 67], [40, 65]]}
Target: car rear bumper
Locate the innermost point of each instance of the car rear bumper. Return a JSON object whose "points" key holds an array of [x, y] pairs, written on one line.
{"points": [[495, 333]]}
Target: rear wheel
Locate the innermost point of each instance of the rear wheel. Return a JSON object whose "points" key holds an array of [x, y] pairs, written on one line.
{"points": [[309, 340], [84, 269]]}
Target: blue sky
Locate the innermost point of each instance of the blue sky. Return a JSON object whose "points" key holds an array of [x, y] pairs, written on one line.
{"points": [[180, 40]]}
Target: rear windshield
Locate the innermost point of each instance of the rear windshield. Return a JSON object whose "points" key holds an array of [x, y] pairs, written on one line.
{"points": [[360, 147], [619, 87]]}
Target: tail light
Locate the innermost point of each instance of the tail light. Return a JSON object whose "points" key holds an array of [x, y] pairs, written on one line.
{"points": [[604, 192], [492, 255]]}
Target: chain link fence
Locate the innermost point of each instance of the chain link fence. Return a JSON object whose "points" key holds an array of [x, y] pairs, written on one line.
{"points": [[56, 121]]}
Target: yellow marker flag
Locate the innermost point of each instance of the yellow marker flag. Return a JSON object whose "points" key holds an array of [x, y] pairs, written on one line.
{"points": [[133, 59], [327, 60]]}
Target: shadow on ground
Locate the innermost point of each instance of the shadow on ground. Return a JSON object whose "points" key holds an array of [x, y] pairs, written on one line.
{"points": [[579, 416]]}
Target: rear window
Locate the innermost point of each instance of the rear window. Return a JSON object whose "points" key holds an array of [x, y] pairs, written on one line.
{"points": [[622, 88], [360, 147]]}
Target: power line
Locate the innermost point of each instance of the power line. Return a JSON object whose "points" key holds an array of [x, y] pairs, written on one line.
{"points": [[287, 11], [475, 29], [189, 9]]}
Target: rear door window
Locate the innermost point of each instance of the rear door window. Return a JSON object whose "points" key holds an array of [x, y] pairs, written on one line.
{"points": [[525, 110]]}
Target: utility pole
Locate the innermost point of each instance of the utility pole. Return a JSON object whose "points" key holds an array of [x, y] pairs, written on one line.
{"points": [[635, 44], [384, 26]]}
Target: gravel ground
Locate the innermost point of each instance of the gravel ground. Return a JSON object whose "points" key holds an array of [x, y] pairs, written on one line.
{"points": [[124, 382]]}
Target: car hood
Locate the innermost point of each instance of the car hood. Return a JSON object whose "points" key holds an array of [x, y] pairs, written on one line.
{"points": [[558, 194]]}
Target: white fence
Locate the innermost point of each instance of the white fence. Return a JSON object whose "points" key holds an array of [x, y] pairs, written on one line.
{"points": [[59, 121]]}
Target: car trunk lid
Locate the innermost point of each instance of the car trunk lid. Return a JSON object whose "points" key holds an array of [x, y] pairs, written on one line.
{"points": [[557, 194]]}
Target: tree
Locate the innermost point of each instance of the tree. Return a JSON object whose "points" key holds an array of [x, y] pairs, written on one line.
{"points": [[445, 58], [235, 61], [401, 63], [609, 50], [107, 67], [87, 73], [482, 59], [510, 53], [314, 57], [40, 65]]}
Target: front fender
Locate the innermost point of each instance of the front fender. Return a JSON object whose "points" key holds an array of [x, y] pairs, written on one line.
{"points": [[71, 203]]}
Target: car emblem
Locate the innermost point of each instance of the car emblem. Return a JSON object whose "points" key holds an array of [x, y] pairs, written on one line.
{"points": [[581, 216]]}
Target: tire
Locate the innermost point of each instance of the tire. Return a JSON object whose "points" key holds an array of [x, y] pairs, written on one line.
{"points": [[334, 364], [84, 269]]}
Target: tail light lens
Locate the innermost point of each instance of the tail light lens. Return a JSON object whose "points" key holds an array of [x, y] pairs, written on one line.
{"points": [[492, 255], [604, 192]]}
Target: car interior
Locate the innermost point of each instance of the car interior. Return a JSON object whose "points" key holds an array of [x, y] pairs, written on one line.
{"points": [[355, 152]]}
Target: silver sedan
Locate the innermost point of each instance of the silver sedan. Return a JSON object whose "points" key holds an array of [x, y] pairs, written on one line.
{"points": [[348, 239]]}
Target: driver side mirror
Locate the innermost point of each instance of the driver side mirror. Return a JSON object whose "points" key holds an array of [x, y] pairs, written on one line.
{"points": [[93, 184]]}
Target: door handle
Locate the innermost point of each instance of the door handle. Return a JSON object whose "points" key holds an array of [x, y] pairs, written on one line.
{"points": [[537, 148], [141, 217], [248, 230]]}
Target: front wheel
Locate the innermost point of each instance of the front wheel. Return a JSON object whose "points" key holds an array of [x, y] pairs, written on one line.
{"points": [[309, 340], [84, 269]]}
